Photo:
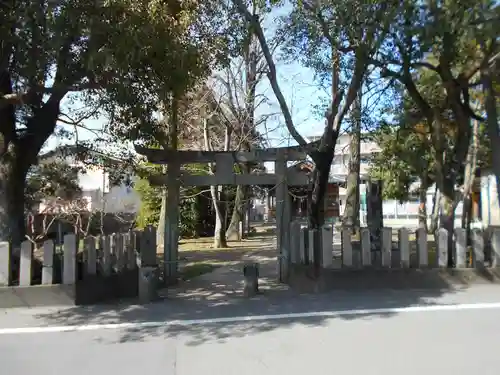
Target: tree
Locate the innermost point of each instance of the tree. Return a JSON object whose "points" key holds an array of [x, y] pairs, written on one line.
{"points": [[440, 39], [407, 155], [351, 210], [113, 56], [52, 191], [49, 180], [490, 89], [240, 100], [151, 197], [191, 211], [336, 39], [237, 132]]}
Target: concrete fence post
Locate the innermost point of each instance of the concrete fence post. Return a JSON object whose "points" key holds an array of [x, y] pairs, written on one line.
{"points": [[294, 242], [148, 277], [148, 247], [5, 263], [25, 263], [48, 263], [326, 246], [495, 248], [120, 252], [302, 245], [346, 247], [105, 248], [366, 252], [136, 242], [422, 251], [241, 233], [147, 284], [404, 247], [386, 247], [70, 248], [442, 247], [460, 248], [130, 249], [90, 255], [113, 241], [311, 244], [477, 248]]}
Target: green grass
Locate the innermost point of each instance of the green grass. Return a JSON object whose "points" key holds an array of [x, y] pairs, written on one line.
{"points": [[193, 270]]}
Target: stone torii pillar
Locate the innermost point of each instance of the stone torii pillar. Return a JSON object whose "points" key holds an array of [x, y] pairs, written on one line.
{"points": [[224, 175], [375, 217]]}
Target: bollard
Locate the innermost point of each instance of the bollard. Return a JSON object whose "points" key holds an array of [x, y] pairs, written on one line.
{"points": [[251, 279], [147, 284]]}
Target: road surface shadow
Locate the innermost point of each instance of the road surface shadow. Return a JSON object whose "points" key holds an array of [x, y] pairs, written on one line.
{"points": [[228, 255], [204, 319]]}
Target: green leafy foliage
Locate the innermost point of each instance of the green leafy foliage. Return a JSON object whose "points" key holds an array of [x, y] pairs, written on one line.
{"points": [[116, 60], [55, 179], [407, 151], [192, 207], [149, 212], [402, 161], [435, 50]]}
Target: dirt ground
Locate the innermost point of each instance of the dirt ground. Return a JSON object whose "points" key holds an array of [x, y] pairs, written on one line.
{"points": [[198, 257]]}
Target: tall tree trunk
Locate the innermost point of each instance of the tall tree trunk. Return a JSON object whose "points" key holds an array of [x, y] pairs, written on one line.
{"points": [[469, 177], [220, 213], [446, 182], [251, 60], [13, 170], [422, 206], [447, 166], [466, 214], [18, 153], [351, 211], [492, 122], [160, 233], [436, 206], [321, 173], [216, 192], [324, 156], [447, 221], [170, 141], [233, 230]]}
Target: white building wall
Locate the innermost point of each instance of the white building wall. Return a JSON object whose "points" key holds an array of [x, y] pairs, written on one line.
{"points": [[395, 214], [120, 199], [341, 158], [117, 199], [490, 211]]}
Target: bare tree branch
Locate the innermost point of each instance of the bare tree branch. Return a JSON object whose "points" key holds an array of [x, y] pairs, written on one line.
{"points": [[272, 71]]}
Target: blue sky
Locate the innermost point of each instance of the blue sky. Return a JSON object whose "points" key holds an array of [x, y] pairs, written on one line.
{"points": [[298, 87]]}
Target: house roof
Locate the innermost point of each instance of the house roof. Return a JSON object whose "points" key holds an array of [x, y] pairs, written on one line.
{"points": [[308, 166], [76, 151]]}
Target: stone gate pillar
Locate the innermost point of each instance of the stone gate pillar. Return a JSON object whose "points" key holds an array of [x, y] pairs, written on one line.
{"points": [[171, 239], [283, 217], [374, 214], [267, 208]]}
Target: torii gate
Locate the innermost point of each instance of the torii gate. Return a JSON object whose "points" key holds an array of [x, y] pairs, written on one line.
{"points": [[224, 175]]}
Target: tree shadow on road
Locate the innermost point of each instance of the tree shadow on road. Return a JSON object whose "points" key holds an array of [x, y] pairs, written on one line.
{"points": [[216, 318]]}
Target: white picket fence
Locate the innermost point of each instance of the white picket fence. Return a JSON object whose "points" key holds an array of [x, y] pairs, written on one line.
{"points": [[402, 249], [103, 255]]}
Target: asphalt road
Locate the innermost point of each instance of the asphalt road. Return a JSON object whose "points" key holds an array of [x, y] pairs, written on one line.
{"points": [[403, 332]]}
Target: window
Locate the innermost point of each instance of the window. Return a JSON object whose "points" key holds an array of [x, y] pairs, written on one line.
{"points": [[337, 159], [345, 159]]}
